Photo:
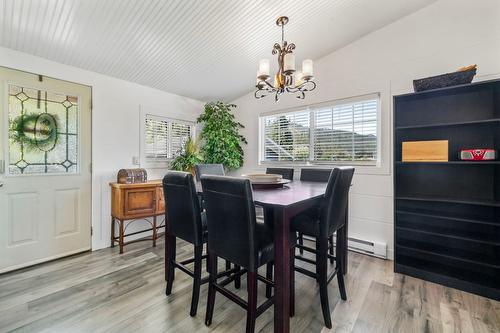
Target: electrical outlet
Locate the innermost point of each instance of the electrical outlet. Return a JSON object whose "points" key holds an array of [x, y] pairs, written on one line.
{"points": [[135, 160]]}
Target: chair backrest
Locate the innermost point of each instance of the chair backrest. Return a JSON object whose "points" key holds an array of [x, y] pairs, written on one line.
{"points": [[315, 175], [209, 169], [286, 173], [231, 219], [333, 207], [182, 208]]}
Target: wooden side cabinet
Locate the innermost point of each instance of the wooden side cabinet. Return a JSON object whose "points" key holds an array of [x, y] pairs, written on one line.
{"points": [[132, 202]]}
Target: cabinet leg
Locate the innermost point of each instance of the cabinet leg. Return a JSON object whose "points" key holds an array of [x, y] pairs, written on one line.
{"points": [[121, 236], [154, 231], [112, 231]]}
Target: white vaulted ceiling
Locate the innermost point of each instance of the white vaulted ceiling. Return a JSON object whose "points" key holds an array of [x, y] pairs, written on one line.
{"points": [[204, 49]]}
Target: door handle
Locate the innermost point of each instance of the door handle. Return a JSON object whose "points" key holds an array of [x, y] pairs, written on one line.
{"points": [[1, 184]]}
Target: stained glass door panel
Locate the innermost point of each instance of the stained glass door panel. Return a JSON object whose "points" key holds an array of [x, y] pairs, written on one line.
{"points": [[43, 132]]}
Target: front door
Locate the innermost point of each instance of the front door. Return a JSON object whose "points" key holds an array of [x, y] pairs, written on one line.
{"points": [[45, 176]]}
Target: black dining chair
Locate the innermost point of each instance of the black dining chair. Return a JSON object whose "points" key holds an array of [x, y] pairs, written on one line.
{"points": [[217, 170], [186, 221], [321, 223], [314, 175], [208, 169], [286, 173], [235, 235]]}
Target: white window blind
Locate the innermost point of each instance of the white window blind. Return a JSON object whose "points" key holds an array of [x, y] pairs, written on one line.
{"points": [[346, 132], [180, 133], [339, 133], [164, 138], [287, 137]]}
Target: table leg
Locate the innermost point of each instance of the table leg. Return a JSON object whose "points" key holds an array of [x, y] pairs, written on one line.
{"points": [[121, 231], [112, 231], [154, 231], [282, 271]]}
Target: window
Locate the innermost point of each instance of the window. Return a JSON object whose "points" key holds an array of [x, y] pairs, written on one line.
{"points": [[165, 138], [287, 137], [339, 132]]}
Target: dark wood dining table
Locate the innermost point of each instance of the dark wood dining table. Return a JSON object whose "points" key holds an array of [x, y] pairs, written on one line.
{"points": [[282, 204]]}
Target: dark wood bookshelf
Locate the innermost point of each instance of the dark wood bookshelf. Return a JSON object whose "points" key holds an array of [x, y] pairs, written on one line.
{"points": [[460, 123], [447, 214]]}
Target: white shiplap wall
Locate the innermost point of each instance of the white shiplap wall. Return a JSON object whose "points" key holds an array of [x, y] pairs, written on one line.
{"points": [[197, 48]]}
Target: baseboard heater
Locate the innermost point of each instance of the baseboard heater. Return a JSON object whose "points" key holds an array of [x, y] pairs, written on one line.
{"points": [[370, 248], [375, 249]]}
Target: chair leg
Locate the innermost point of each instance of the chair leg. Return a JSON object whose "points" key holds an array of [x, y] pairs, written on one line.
{"points": [[169, 267], [212, 279], [269, 276], [207, 266], [341, 250], [228, 265], [198, 252], [237, 280], [252, 301], [340, 279], [322, 274], [292, 282], [301, 242], [340, 265], [330, 248]]}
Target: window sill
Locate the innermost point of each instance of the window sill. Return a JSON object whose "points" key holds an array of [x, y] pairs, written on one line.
{"points": [[362, 168]]}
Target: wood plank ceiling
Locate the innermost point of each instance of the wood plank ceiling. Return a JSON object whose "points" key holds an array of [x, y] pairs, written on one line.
{"points": [[197, 48]]}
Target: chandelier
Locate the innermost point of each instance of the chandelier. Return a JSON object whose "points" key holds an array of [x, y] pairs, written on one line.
{"points": [[287, 79]]}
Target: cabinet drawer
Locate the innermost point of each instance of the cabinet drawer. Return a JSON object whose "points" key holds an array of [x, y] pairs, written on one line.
{"points": [[160, 201], [140, 201]]}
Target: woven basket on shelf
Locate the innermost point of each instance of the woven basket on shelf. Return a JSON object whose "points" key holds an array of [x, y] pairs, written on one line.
{"points": [[444, 80]]}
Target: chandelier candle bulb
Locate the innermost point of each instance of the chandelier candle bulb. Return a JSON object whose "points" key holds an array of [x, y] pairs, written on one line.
{"points": [[258, 81], [289, 63], [264, 68], [307, 69], [298, 78]]}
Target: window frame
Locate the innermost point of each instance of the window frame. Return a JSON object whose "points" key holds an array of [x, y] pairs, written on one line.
{"points": [[146, 163], [311, 108]]}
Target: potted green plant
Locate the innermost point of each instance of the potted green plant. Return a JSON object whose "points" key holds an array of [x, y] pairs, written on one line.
{"points": [[188, 158], [220, 134]]}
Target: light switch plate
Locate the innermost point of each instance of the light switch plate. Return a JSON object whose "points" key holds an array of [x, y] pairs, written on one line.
{"points": [[135, 160]]}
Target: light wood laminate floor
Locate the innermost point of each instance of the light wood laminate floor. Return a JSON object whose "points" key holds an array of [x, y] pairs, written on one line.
{"points": [[103, 291]]}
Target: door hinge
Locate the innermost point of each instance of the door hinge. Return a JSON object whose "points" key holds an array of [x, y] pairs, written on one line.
{"points": [[91, 231], [2, 166], [90, 167]]}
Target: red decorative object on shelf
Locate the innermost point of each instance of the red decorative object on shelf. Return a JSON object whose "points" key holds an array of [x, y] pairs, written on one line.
{"points": [[478, 154]]}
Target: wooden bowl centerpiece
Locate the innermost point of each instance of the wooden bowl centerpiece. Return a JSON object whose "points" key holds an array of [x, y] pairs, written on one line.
{"points": [[265, 181]]}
